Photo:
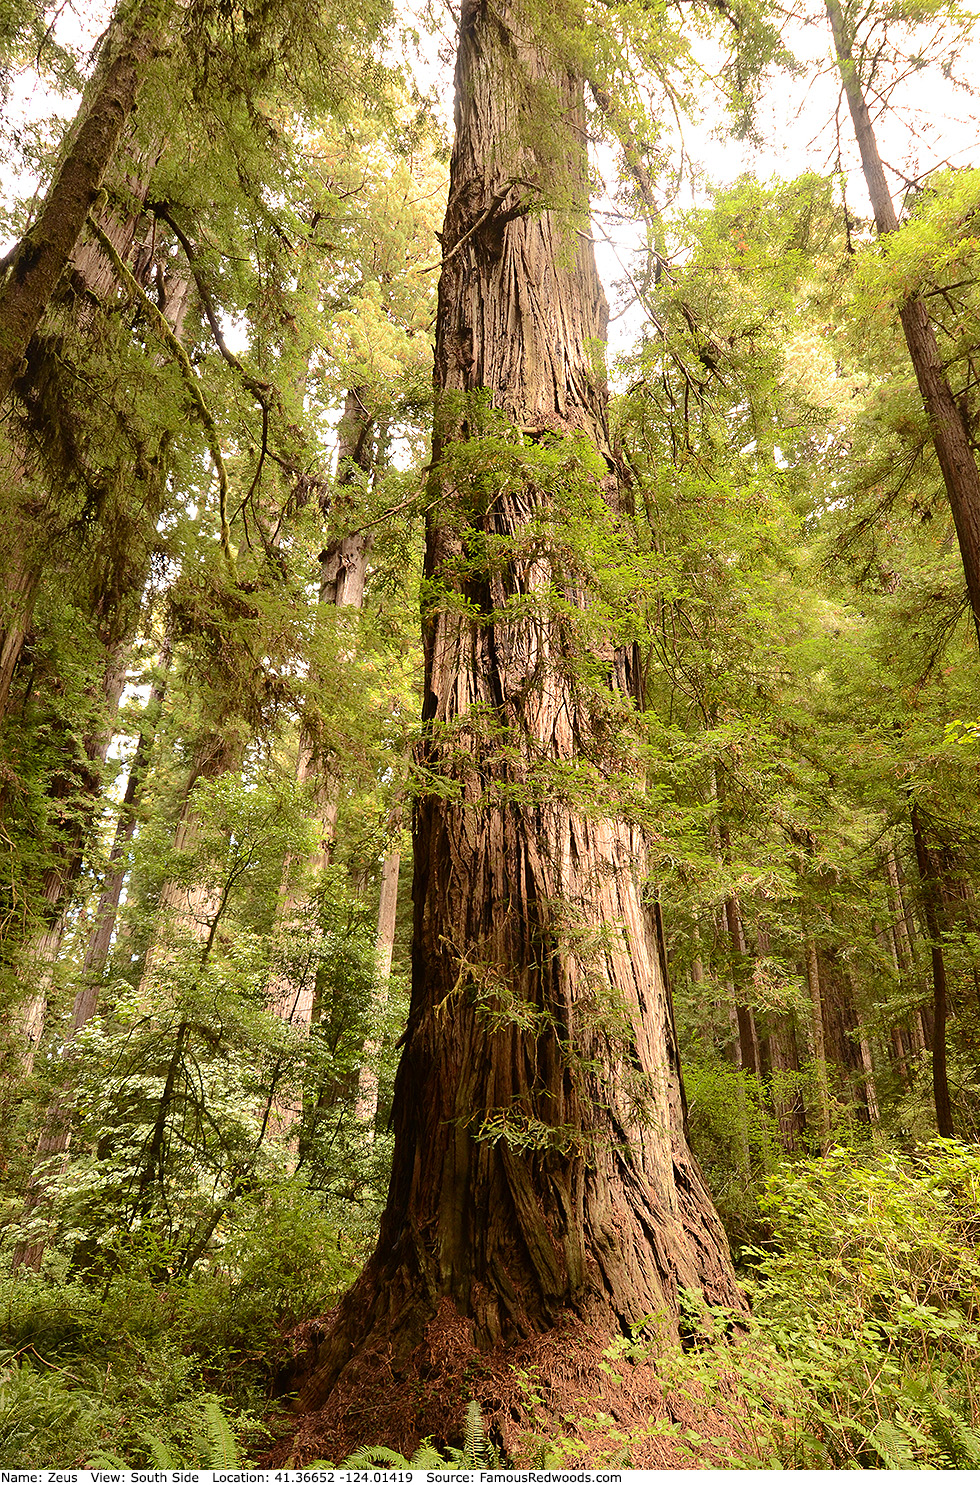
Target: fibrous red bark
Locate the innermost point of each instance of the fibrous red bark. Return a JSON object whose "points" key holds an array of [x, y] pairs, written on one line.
{"points": [[542, 1175]]}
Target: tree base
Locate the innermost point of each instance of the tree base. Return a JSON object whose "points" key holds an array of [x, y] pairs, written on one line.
{"points": [[563, 1398]]}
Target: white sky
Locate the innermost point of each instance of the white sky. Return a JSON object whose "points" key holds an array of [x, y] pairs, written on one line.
{"points": [[931, 124]]}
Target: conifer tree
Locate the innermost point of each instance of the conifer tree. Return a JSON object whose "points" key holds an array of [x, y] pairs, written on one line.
{"points": [[541, 1166], [947, 424]]}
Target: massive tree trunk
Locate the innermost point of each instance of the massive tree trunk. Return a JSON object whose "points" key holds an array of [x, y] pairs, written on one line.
{"points": [[946, 425], [541, 1170]]}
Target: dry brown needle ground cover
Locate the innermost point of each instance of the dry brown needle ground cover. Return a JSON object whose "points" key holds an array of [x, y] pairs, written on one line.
{"points": [[565, 1398]]}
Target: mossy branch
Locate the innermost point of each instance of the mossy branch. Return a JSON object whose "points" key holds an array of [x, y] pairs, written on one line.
{"points": [[159, 323]]}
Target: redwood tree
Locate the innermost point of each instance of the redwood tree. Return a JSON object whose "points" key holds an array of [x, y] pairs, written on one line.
{"points": [[541, 1166]]}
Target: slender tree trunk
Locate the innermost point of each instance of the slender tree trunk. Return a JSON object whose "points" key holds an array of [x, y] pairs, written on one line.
{"points": [[904, 957], [79, 788], [946, 426], [930, 892], [899, 1057], [744, 1018], [541, 1167], [43, 254], [55, 1135], [819, 1051], [870, 1086], [841, 1030], [56, 1132], [343, 576], [697, 963], [779, 1061], [784, 1058], [189, 910], [737, 1052], [343, 563], [366, 1103], [904, 951], [103, 925]]}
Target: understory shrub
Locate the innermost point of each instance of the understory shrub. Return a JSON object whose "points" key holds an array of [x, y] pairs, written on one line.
{"points": [[872, 1295], [863, 1347], [126, 1370], [864, 1344]]}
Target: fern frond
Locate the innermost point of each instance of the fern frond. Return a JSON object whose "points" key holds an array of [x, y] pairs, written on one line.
{"points": [[893, 1446], [224, 1446], [426, 1457], [163, 1456], [475, 1454], [376, 1454], [960, 1442]]}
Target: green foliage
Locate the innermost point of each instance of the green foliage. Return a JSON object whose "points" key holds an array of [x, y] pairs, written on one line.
{"points": [[211, 1445], [863, 1344], [132, 1407], [735, 1135], [131, 1369], [476, 1452]]}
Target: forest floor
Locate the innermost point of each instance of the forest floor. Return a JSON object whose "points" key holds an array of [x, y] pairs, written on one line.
{"points": [[570, 1397], [861, 1351]]}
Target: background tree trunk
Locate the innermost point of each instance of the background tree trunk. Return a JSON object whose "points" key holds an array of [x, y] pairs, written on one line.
{"points": [[366, 1102], [43, 254], [841, 1031], [79, 787], [748, 1042], [343, 576], [822, 1120], [930, 893], [946, 427]]}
